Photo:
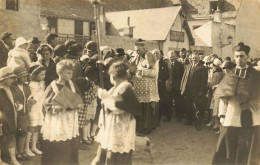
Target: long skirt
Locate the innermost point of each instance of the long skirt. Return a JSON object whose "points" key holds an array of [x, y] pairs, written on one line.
{"points": [[61, 152], [149, 118], [238, 145], [105, 157]]}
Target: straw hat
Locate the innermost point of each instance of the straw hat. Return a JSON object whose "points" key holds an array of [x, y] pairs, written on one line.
{"points": [[21, 72], [20, 41], [6, 72], [217, 62]]}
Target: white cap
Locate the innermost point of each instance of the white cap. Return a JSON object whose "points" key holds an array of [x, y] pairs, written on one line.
{"points": [[20, 41], [217, 62]]}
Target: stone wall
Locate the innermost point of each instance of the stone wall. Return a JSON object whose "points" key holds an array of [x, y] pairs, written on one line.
{"points": [[24, 22]]}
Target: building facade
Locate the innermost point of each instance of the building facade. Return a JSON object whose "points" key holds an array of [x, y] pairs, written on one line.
{"points": [[21, 17]]}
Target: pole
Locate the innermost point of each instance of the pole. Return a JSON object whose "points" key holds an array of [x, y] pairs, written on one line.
{"points": [[96, 4]]}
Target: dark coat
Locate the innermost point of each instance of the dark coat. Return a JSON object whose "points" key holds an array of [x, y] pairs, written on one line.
{"points": [[23, 120], [51, 73], [197, 82], [163, 72], [3, 54], [177, 73], [7, 108]]}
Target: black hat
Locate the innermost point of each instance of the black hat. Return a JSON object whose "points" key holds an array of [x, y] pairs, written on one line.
{"points": [[60, 50], [139, 42], [34, 40], [242, 47], [120, 51], [91, 45], [228, 65]]}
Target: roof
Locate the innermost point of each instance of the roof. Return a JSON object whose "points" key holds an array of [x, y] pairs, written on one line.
{"points": [[203, 35], [83, 9], [149, 24]]}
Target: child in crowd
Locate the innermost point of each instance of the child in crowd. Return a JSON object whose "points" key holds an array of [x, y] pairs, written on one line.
{"points": [[117, 130], [37, 86], [22, 97], [8, 111], [60, 130]]}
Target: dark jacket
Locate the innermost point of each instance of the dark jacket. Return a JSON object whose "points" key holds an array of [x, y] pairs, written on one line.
{"points": [[20, 98], [3, 54], [7, 108], [197, 82], [177, 73], [51, 73], [163, 71]]}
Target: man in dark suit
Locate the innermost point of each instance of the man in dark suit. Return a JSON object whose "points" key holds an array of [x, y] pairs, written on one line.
{"points": [[184, 59], [162, 77], [177, 73], [194, 88], [5, 45]]}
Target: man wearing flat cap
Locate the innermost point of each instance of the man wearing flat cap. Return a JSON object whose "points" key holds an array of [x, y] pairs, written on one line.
{"points": [[239, 141], [6, 45], [144, 71]]}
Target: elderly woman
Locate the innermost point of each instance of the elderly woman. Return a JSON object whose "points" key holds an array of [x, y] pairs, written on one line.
{"points": [[60, 128]]}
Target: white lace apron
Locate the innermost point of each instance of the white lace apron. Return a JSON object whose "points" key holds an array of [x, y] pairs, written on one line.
{"points": [[119, 133], [62, 126]]}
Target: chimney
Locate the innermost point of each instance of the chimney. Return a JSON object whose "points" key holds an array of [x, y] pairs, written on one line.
{"points": [[217, 15], [128, 30], [102, 20]]}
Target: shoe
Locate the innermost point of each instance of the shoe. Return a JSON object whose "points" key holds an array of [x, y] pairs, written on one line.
{"points": [[20, 157], [217, 132], [25, 156], [216, 129], [29, 153], [188, 123], [83, 147], [209, 125], [35, 150], [86, 142]]}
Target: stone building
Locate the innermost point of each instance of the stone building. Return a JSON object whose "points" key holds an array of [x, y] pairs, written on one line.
{"points": [[21, 17]]}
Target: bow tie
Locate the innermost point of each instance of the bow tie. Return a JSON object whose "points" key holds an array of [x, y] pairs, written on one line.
{"points": [[241, 72]]}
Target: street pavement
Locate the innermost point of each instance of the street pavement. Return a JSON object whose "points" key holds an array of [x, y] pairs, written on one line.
{"points": [[172, 143]]}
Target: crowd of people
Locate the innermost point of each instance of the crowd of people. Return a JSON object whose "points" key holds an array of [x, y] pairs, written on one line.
{"points": [[52, 103]]}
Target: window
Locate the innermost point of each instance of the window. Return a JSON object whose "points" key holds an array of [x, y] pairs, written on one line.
{"points": [[12, 5], [78, 27], [213, 7], [52, 23], [92, 28]]}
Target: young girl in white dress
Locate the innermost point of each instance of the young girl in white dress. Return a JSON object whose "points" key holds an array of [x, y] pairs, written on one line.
{"points": [[37, 87]]}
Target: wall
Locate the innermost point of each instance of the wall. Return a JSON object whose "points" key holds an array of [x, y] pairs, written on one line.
{"points": [[220, 33], [24, 22], [86, 29], [66, 26], [248, 25], [173, 45], [126, 43]]}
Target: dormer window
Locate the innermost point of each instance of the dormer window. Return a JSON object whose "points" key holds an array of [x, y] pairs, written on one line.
{"points": [[213, 6]]}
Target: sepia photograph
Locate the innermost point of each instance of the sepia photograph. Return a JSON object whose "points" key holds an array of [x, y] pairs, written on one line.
{"points": [[130, 82]]}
